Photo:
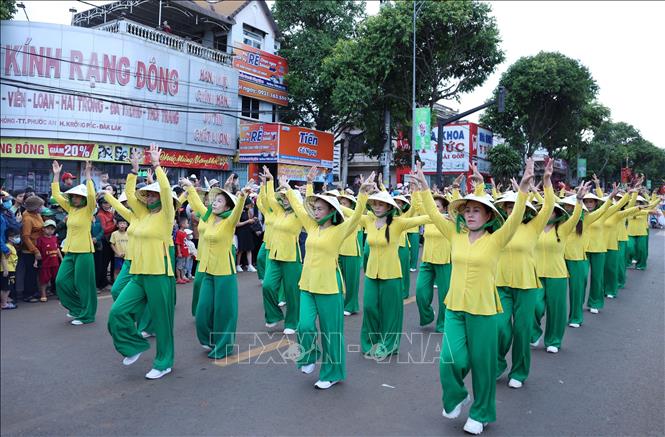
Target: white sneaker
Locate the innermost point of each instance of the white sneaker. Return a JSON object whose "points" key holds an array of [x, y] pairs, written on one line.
{"points": [[271, 325], [206, 347], [537, 342], [513, 383], [412, 270], [251, 269], [574, 325], [289, 331], [156, 374], [239, 269], [458, 409], [145, 334], [552, 349], [609, 296], [323, 385], [436, 286], [281, 303], [128, 361], [76, 322], [346, 313], [473, 426], [309, 368], [593, 310]]}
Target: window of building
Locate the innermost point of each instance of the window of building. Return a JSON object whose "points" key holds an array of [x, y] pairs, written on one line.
{"points": [[252, 36], [275, 114], [250, 107]]}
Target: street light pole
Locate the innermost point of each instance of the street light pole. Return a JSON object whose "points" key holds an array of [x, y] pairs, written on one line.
{"points": [[413, 93]]}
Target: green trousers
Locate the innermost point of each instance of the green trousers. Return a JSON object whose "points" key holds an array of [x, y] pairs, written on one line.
{"points": [[366, 249], [429, 275], [144, 321], [611, 279], [556, 308], [414, 250], [469, 344], [383, 312], [75, 285], [217, 314], [196, 288], [578, 273], [596, 281], [621, 264], [330, 310], [638, 247], [403, 254], [261, 261], [158, 294], [350, 268], [282, 274], [514, 328]]}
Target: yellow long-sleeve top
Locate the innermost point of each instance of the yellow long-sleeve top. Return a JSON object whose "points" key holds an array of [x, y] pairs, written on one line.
{"points": [[350, 245], [611, 226], [199, 207], [323, 247], [436, 248], [597, 238], [268, 216], [383, 262], [79, 220], [551, 246], [218, 259], [576, 244], [285, 230], [638, 223], [517, 266], [474, 265], [153, 232]]}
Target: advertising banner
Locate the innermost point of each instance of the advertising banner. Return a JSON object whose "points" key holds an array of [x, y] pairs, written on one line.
{"points": [[422, 118], [456, 150], [94, 86], [258, 142], [110, 153], [299, 145], [581, 167], [261, 74], [299, 172]]}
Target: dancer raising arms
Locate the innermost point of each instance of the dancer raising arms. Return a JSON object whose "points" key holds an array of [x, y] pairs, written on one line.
{"points": [[470, 331], [75, 282], [321, 283]]}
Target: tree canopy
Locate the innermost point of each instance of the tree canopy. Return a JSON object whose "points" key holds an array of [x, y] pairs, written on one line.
{"points": [[7, 9]]}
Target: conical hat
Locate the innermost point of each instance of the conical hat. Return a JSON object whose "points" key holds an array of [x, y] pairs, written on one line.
{"points": [[384, 197], [215, 191], [330, 200], [79, 190], [511, 196], [572, 201], [142, 193]]}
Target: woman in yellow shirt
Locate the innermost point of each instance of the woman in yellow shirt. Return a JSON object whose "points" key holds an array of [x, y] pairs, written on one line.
{"points": [[350, 259], [551, 269], [518, 285], [435, 269], [321, 283], [217, 310], [406, 242], [470, 332], [638, 234], [75, 281], [203, 210], [151, 280], [268, 219], [285, 264], [383, 309]]}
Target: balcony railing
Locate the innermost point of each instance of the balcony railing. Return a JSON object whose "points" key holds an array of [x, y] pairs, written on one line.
{"points": [[167, 40]]}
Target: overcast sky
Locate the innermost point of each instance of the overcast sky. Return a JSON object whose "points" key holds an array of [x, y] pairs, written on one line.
{"points": [[620, 42]]}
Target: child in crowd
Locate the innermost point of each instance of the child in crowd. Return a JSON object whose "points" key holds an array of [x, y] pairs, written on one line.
{"points": [[51, 259], [8, 278], [118, 240], [191, 247], [182, 253]]}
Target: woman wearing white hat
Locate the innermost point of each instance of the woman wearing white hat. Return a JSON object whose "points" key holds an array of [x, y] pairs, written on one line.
{"points": [[517, 283], [321, 283], [217, 310], [350, 258], [285, 265], [152, 279], [597, 247], [470, 332], [76, 277], [551, 269], [383, 309], [638, 233], [435, 269]]}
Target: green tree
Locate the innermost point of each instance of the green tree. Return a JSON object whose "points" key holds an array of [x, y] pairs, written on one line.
{"points": [[457, 48], [550, 104], [310, 30], [506, 163], [7, 9]]}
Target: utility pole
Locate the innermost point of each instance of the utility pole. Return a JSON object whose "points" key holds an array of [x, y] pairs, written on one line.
{"points": [[386, 145]]}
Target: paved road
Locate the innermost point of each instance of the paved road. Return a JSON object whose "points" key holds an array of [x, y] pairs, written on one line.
{"points": [[57, 379]]}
